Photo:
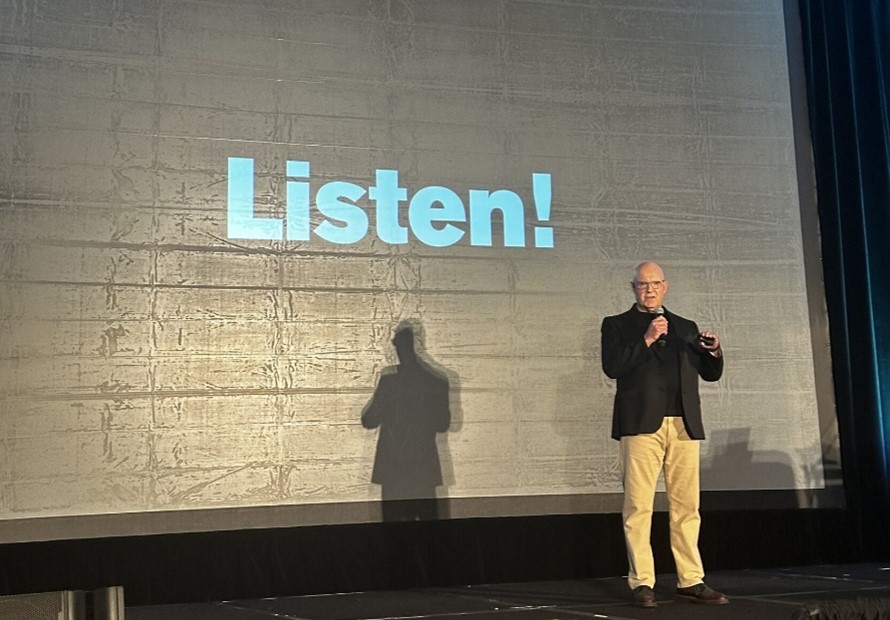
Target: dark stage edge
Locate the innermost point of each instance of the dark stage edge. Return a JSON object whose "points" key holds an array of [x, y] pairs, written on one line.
{"points": [[759, 594]]}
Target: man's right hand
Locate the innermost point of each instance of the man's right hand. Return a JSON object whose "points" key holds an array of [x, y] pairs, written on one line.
{"points": [[657, 327]]}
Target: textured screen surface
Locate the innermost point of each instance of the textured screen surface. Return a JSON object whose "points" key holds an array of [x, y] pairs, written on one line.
{"points": [[216, 214]]}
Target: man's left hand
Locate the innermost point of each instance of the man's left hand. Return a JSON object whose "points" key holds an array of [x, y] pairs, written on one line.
{"points": [[714, 347]]}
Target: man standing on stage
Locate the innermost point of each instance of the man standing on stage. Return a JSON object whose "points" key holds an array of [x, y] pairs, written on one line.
{"points": [[657, 357]]}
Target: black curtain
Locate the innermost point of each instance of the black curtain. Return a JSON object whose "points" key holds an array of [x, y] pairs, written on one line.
{"points": [[845, 47]]}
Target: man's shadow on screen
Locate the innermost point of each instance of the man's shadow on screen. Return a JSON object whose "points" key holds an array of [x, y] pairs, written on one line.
{"points": [[734, 465], [410, 406]]}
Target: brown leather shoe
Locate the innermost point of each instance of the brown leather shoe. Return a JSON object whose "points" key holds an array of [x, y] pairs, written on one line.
{"points": [[644, 597], [701, 593]]}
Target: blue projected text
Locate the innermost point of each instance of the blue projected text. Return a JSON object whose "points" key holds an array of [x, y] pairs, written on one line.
{"points": [[436, 216]]}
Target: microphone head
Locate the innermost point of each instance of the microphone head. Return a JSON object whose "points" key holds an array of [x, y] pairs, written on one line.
{"points": [[659, 310]]}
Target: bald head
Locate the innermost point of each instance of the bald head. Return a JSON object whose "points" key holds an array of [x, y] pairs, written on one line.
{"points": [[649, 286], [646, 269]]}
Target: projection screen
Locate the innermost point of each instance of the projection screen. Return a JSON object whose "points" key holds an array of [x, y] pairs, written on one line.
{"points": [[216, 215]]}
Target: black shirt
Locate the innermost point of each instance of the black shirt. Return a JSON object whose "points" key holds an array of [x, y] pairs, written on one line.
{"points": [[667, 355]]}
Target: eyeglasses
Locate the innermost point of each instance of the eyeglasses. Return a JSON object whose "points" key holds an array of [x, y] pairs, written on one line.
{"points": [[655, 285]]}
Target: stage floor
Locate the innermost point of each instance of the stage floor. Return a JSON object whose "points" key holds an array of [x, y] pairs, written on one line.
{"points": [[757, 594]]}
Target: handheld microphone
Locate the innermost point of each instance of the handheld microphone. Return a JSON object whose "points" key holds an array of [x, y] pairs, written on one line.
{"points": [[659, 311]]}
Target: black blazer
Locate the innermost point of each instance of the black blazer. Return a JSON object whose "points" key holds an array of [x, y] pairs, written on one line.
{"points": [[640, 397]]}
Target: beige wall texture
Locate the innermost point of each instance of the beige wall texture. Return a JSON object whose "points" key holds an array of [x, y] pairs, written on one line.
{"points": [[150, 363]]}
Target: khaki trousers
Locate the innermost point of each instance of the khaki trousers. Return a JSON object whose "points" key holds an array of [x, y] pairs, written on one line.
{"points": [[643, 458]]}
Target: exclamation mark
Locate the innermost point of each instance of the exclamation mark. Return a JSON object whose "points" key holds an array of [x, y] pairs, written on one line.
{"points": [[542, 193]]}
